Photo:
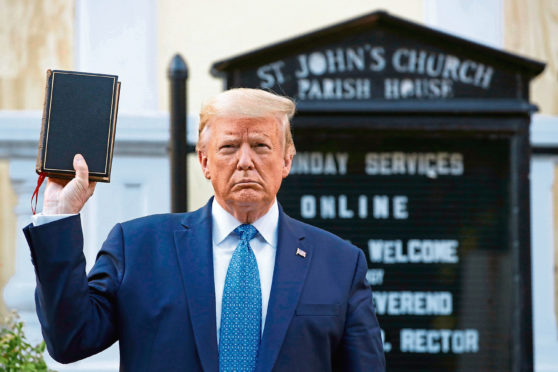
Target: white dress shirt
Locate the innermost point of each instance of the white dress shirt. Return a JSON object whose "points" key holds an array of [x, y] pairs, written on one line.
{"points": [[264, 246], [40, 219]]}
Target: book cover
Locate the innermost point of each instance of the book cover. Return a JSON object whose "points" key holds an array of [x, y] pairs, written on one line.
{"points": [[79, 116]]}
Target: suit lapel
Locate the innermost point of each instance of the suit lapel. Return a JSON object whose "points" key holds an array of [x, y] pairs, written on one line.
{"points": [[194, 250], [288, 280]]}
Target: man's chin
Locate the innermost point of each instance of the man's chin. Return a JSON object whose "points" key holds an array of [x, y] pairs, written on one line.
{"points": [[248, 196]]}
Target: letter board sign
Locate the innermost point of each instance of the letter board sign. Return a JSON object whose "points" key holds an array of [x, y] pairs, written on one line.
{"points": [[413, 145], [431, 217]]}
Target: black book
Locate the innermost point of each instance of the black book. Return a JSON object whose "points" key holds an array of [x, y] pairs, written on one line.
{"points": [[79, 116]]}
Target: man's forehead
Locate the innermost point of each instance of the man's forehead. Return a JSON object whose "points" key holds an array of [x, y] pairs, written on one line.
{"points": [[251, 133], [253, 126], [246, 120]]}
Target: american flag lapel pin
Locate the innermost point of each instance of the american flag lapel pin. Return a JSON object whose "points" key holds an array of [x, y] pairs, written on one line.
{"points": [[300, 253]]}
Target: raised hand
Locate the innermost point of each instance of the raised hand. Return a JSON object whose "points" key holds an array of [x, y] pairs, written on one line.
{"points": [[69, 196]]}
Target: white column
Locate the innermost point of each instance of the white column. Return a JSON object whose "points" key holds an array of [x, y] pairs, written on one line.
{"points": [[542, 255], [544, 133], [481, 21], [19, 292], [120, 38]]}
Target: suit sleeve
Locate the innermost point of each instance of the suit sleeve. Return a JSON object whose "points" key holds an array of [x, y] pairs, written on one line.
{"points": [[361, 347], [77, 314]]}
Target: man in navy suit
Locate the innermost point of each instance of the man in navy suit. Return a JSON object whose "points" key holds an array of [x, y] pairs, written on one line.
{"points": [[234, 286]]}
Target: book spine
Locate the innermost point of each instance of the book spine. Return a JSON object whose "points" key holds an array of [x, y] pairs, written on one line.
{"points": [[44, 123], [113, 129]]}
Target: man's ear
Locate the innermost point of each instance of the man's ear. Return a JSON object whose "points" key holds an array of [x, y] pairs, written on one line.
{"points": [[202, 157], [287, 165]]}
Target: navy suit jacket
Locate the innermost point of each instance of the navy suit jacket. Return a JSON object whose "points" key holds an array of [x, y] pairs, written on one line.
{"points": [[152, 289]]}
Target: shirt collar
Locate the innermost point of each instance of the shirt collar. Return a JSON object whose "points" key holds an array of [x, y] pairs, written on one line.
{"points": [[224, 223]]}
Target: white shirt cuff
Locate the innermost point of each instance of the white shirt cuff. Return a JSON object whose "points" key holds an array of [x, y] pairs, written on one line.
{"points": [[40, 219]]}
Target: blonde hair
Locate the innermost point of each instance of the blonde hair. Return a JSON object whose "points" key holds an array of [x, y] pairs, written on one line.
{"points": [[247, 103]]}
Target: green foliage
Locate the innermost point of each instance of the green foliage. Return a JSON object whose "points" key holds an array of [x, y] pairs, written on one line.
{"points": [[16, 353]]}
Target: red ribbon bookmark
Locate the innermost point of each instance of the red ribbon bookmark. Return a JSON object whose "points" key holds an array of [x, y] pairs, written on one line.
{"points": [[35, 195]]}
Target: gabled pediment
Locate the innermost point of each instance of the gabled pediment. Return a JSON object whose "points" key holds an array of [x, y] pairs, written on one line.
{"points": [[380, 57]]}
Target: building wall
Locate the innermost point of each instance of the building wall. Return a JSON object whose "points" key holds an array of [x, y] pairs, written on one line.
{"points": [[34, 36], [555, 240], [7, 232], [530, 29]]}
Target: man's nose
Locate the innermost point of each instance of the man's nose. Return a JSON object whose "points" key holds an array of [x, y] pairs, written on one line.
{"points": [[245, 160]]}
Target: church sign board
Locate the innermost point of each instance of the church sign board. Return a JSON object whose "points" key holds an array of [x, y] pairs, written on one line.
{"points": [[413, 145]]}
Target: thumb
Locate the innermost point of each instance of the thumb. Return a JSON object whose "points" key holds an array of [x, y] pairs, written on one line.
{"points": [[82, 171]]}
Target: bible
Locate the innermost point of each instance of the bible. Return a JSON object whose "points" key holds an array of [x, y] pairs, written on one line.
{"points": [[79, 116]]}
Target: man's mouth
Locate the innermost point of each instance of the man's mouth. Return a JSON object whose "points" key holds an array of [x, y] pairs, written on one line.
{"points": [[246, 183]]}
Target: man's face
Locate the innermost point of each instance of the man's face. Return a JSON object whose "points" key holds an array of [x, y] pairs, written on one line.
{"points": [[246, 161]]}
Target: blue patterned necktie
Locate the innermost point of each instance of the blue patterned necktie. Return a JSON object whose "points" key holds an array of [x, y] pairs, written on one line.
{"points": [[241, 312]]}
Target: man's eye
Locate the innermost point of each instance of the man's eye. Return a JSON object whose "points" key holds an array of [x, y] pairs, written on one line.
{"points": [[264, 145]]}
